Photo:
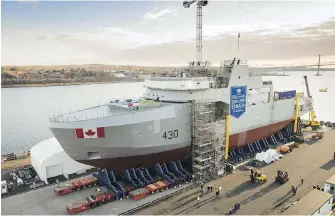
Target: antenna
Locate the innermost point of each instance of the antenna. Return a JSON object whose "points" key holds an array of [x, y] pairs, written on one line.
{"points": [[238, 43], [200, 4]]}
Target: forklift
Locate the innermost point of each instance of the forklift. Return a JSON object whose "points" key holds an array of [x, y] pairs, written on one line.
{"points": [[312, 123], [257, 176], [282, 176], [318, 135]]}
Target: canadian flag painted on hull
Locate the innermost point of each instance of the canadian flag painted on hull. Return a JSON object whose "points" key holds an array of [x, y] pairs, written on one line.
{"points": [[90, 132]]}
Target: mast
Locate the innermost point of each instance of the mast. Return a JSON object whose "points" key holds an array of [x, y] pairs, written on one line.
{"points": [[200, 4], [318, 74], [238, 42], [199, 33]]}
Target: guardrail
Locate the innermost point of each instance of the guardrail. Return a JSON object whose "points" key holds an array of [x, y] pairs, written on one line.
{"points": [[63, 118]]}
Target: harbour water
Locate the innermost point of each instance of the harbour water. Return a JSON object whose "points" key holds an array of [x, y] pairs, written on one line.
{"points": [[25, 111]]}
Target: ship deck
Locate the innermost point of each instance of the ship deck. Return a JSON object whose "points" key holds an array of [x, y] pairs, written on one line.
{"points": [[104, 111], [312, 162]]}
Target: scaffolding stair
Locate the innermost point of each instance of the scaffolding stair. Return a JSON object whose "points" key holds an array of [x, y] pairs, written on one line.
{"points": [[208, 148]]}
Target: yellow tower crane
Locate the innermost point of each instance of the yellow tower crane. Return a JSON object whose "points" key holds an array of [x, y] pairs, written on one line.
{"points": [[314, 124]]}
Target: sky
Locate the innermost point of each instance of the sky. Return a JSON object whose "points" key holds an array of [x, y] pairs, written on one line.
{"points": [[162, 33]]}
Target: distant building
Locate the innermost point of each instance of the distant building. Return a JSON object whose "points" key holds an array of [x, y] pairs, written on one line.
{"points": [[119, 75], [95, 68], [102, 74], [55, 75], [144, 76]]}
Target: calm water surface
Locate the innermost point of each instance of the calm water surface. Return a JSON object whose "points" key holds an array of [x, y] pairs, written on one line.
{"points": [[25, 111]]}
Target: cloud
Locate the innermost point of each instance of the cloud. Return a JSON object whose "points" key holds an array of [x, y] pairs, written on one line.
{"points": [[158, 14], [42, 38], [116, 38], [254, 45], [168, 43]]}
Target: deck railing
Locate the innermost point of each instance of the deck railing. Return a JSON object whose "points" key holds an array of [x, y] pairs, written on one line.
{"points": [[66, 117]]}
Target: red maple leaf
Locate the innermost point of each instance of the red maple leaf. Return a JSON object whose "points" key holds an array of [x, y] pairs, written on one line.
{"points": [[89, 133]]}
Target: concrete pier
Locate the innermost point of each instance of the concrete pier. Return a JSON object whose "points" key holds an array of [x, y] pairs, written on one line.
{"points": [[312, 162]]}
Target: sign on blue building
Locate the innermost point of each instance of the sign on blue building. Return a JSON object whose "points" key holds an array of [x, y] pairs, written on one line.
{"points": [[238, 97]]}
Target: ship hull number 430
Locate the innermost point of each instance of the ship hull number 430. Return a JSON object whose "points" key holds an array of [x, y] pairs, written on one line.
{"points": [[170, 134]]}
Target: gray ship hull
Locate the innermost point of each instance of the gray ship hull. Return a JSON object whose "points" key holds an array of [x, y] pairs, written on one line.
{"points": [[161, 134], [118, 164]]}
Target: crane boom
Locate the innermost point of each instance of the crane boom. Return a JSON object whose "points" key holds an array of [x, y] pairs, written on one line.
{"points": [[307, 87], [199, 33]]}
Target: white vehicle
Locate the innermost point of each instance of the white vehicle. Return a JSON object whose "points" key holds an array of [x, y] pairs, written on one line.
{"points": [[4, 187]]}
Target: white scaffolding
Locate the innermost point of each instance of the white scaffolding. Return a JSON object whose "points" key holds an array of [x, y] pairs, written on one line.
{"points": [[208, 142], [220, 145]]}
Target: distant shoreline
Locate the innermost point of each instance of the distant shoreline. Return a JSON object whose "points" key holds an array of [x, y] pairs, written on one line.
{"points": [[68, 83]]}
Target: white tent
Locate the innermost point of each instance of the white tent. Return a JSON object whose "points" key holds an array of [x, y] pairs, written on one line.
{"points": [[50, 160]]}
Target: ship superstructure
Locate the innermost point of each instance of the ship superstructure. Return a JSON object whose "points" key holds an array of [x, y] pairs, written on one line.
{"points": [[160, 127]]}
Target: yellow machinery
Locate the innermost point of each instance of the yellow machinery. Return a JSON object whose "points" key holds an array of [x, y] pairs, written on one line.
{"points": [[323, 90], [257, 176], [314, 124], [296, 113], [227, 135]]}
